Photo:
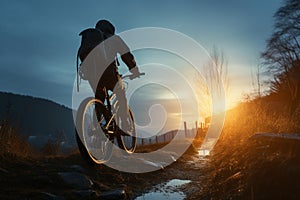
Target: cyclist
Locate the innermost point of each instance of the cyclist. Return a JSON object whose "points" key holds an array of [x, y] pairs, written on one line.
{"points": [[111, 79]]}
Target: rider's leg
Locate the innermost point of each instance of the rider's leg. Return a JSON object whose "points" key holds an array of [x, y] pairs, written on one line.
{"points": [[100, 94], [123, 112]]}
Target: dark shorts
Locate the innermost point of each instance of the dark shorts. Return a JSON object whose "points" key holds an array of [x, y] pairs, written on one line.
{"points": [[108, 80]]}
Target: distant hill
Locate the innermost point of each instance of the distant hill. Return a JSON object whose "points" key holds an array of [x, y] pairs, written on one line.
{"points": [[38, 119]]}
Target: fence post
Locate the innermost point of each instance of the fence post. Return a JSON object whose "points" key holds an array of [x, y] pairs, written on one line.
{"points": [[156, 139], [185, 129]]}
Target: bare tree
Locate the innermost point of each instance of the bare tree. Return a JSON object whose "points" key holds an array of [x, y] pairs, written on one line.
{"points": [[218, 70], [282, 55], [283, 46], [257, 81], [214, 83]]}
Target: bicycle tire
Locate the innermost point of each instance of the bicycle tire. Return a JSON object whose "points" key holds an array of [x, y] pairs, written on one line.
{"points": [[94, 143], [127, 142]]}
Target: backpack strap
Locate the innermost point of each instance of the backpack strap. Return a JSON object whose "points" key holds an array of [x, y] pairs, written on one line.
{"points": [[77, 69]]}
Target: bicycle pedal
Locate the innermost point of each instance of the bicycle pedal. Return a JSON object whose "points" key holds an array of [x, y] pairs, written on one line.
{"points": [[110, 132]]}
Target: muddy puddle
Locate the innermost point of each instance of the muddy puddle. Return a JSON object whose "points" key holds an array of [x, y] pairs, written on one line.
{"points": [[168, 190]]}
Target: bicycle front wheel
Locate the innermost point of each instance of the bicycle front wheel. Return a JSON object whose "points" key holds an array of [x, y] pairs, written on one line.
{"points": [[94, 131]]}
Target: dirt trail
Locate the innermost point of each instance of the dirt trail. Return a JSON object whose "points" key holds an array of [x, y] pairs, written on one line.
{"points": [[71, 178], [264, 169]]}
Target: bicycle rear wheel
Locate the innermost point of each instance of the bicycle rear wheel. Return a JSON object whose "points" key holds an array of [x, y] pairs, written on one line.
{"points": [[127, 140], [94, 134]]}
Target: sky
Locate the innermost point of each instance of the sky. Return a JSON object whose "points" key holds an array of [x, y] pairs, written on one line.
{"points": [[40, 39]]}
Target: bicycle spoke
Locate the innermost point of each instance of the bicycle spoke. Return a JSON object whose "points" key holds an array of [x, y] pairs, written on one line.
{"points": [[97, 144]]}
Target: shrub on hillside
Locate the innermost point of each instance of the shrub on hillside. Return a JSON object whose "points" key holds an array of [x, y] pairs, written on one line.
{"points": [[12, 143]]}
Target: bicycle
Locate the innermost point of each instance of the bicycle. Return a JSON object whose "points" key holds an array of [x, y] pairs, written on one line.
{"points": [[99, 127]]}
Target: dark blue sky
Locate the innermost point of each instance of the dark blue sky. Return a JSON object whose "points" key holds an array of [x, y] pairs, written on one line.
{"points": [[39, 39]]}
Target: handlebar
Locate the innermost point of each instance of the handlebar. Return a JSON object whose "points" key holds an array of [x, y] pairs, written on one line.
{"points": [[133, 76]]}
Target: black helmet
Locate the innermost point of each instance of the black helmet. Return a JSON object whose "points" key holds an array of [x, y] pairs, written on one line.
{"points": [[105, 26]]}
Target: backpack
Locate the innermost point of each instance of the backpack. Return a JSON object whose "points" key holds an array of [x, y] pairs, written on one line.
{"points": [[90, 38]]}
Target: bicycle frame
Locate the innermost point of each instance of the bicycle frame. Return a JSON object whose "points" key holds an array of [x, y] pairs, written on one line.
{"points": [[125, 140], [112, 101]]}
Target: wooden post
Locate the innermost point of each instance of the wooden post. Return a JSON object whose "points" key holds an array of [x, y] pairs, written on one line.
{"points": [[185, 129], [142, 141], [156, 139]]}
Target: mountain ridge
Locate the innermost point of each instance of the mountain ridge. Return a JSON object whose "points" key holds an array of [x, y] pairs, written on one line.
{"points": [[37, 118]]}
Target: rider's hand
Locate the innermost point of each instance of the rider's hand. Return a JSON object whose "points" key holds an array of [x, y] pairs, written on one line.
{"points": [[135, 72]]}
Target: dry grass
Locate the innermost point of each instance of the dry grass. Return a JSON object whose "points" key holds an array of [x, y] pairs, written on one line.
{"points": [[12, 144], [253, 117], [244, 168], [249, 118]]}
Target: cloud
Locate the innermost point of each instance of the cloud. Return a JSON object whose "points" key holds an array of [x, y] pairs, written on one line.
{"points": [[39, 39]]}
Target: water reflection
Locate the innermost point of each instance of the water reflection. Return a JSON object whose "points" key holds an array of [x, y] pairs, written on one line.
{"points": [[203, 152], [167, 190]]}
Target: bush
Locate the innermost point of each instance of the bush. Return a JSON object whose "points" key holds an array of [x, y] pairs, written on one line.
{"points": [[52, 148], [12, 144]]}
